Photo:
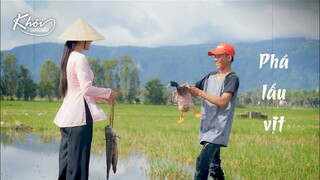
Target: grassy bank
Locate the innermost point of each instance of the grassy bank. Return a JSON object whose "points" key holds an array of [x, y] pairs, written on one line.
{"points": [[172, 148]]}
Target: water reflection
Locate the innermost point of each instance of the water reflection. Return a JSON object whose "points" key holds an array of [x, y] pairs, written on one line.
{"points": [[30, 156]]}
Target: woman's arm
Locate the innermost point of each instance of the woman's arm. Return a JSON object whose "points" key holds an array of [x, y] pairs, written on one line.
{"points": [[83, 74]]}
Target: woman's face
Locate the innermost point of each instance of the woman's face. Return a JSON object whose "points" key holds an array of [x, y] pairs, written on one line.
{"points": [[86, 45]]}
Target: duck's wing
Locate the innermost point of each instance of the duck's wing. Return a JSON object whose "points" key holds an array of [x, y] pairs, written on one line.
{"points": [[182, 91], [174, 97]]}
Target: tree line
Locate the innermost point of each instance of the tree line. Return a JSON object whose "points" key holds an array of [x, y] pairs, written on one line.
{"points": [[17, 82], [303, 98]]}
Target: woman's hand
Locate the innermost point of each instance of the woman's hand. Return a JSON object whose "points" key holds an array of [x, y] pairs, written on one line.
{"points": [[112, 98]]}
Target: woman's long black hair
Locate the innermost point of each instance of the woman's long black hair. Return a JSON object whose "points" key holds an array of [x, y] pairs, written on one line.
{"points": [[63, 86]]}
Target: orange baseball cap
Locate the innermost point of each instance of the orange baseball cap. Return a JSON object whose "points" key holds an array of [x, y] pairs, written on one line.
{"points": [[223, 48]]}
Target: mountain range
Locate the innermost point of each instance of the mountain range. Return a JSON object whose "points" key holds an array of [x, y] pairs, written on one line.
{"points": [[190, 63]]}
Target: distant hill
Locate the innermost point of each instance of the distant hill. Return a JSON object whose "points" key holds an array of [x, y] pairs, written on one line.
{"points": [[190, 63]]}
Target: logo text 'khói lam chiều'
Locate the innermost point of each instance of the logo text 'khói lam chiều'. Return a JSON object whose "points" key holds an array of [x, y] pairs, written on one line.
{"points": [[34, 27]]}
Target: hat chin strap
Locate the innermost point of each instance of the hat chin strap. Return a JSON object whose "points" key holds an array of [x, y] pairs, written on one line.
{"points": [[84, 45]]}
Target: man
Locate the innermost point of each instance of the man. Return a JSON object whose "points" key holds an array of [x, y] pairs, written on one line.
{"points": [[219, 92]]}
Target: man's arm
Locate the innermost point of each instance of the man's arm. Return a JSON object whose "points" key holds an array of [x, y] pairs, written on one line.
{"points": [[221, 101]]}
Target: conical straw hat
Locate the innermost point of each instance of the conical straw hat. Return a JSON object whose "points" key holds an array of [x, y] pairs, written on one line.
{"points": [[80, 31]]}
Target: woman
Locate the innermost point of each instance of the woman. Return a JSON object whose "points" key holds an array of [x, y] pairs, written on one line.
{"points": [[79, 109]]}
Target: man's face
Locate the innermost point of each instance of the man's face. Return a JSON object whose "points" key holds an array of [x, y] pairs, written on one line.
{"points": [[222, 60]]}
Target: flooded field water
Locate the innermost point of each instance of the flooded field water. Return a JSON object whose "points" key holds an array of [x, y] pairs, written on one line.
{"points": [[27, 157]]}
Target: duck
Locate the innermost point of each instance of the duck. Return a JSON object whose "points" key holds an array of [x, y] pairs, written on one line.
{"points": [[183, 98]]}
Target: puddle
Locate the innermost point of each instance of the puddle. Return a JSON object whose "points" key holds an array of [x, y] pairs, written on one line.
{"points": [[30, 158]]}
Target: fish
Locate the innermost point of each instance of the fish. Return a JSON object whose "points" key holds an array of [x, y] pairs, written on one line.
{"points": [[111, 149], [111, 142]]}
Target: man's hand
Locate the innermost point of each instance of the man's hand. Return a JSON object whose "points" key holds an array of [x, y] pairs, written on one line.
{"points": [[194, 91]]}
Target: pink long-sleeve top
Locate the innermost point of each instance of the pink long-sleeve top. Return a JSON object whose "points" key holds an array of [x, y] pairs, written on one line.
{"points": [[80, 77]]}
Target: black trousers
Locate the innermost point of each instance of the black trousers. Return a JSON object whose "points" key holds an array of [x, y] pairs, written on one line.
{"points": [[74, 152], [209, 163]]}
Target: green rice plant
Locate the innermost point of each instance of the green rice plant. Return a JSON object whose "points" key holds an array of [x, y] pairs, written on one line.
{"points": [[172, 148]]}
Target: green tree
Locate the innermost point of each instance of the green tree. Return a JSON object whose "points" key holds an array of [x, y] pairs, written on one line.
{"points": [[248, 98], [293, 97], [10, 76], [256, 96], [155, 92], [2, 89], [125, 69], [134, 83], [26, 86], [49, 80], [97, 70], [130, 79], [19, 85], [111, 74], [311, 98]]}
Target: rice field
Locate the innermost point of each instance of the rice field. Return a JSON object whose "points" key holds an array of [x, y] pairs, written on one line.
{"points": [[172, 148]]}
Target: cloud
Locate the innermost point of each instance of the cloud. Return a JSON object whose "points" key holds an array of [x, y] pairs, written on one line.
{"points": [[160, 23], [296, 19], [9, 11]]}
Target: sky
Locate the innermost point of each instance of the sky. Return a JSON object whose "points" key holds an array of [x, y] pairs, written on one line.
{"points": [[151, 23]]}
